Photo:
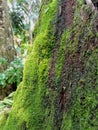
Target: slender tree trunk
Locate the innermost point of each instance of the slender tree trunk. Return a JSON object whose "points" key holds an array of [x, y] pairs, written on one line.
{"points": [[7, 50]]}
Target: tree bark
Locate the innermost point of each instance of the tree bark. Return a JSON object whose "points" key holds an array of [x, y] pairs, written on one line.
{"points": [[64, 55], [7, 49]]}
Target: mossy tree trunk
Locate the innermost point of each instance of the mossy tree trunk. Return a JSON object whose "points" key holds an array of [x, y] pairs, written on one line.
{"points": [[64, 55], [7, 50]]}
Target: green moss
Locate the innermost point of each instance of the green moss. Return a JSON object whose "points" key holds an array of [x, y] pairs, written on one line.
{"points": [[85, 97], [61, 54], [67, 45], [47, 15], [67, 123], [29, 110], [3, 117]]}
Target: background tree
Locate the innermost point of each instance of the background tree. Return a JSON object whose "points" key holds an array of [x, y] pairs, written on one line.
{"points": [[10, 65], [7, 50], [26, 12]]}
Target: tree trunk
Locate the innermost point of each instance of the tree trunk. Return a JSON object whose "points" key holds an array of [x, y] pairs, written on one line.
{"points": [[7, 50], [60, 83]]}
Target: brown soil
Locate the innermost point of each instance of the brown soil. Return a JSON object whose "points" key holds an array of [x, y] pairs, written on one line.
{"points": [[4, 92]]}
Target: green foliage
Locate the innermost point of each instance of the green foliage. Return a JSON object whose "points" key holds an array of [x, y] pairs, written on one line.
{"points": [[17, 21], [24, 13], [34, 7], [7, 102], [3, 61], [5, 108], [13, 73]]}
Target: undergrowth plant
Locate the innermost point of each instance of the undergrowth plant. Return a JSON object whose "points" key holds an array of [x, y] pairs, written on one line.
{"points": [[13, 73]]}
